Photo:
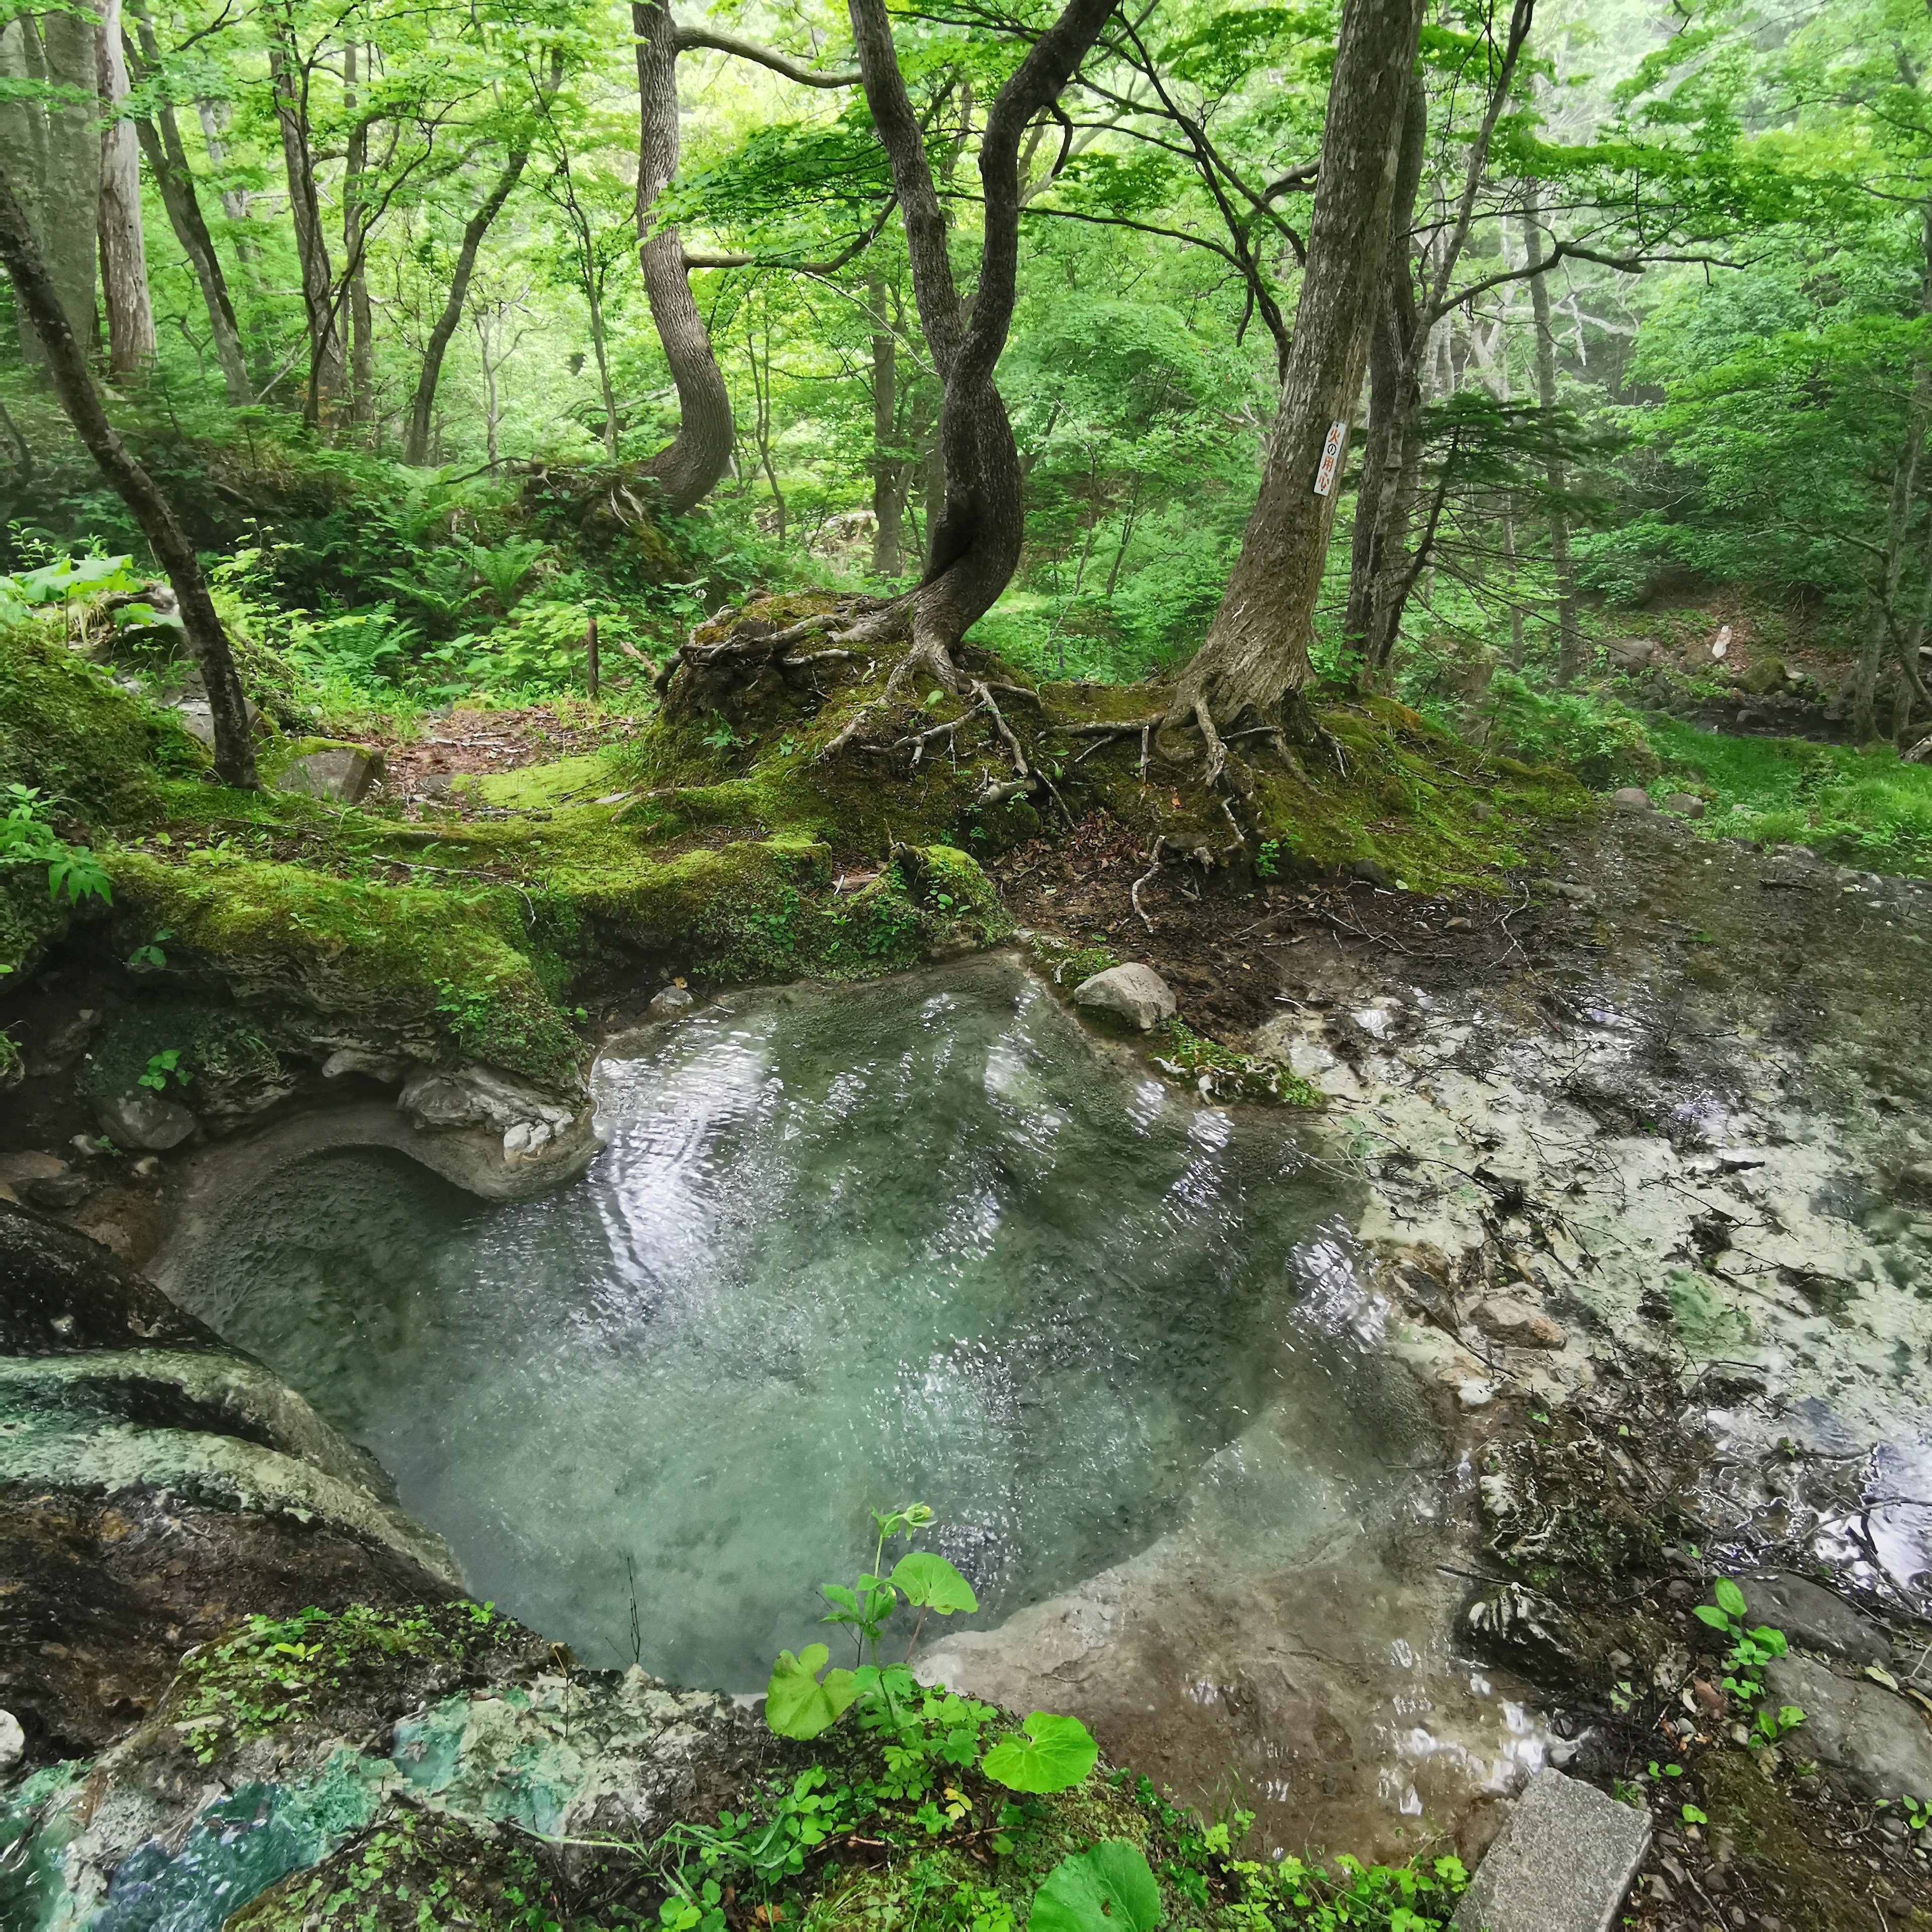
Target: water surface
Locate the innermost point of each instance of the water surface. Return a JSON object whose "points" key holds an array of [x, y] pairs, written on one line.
{"points": [[844, 1249]]}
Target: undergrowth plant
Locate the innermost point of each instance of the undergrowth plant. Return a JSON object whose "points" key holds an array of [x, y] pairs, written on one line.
{"points": [[26, 838], [1751, 1651]]}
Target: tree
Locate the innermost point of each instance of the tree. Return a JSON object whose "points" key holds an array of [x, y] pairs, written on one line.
{"points": [[973, 542], [41, 303], [1256, 650], [124, 255]]}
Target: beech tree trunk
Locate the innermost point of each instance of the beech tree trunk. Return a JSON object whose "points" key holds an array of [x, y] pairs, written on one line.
{"points": [[1256, 650], [41, 302], [361, 313], [50, 152], [686, 468], [124, 254], [326, 373], [973, 542], [1569, 632]]}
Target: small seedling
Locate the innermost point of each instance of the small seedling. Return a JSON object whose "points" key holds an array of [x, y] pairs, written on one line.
{"points": [[159, 1066]]}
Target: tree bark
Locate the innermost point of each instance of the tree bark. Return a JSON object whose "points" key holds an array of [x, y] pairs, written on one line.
{"points": [[1382, 495], [361, 313], [167, 162], [422, 405], [686, 470], [326, 373], [124, 254], [51, 154], [1256, 650], [1569, 632], [888, 467], [973, 543], [40, 301]]}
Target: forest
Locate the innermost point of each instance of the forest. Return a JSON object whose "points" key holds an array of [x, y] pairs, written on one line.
{"points": [[1134, 793]]}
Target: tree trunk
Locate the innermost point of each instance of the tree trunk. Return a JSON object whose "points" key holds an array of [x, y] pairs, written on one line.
{"points": [[686, 469], [1390, 452], [422, 406], [973, 544], [51, 156], [124, 255], [1256, 650], [1569, 635], [888, 468], [326, 374], [40, 301], [167, 162], [361, 314]]}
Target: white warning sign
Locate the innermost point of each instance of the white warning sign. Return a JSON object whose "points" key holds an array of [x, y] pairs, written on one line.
{"points": [[1331, 458]]}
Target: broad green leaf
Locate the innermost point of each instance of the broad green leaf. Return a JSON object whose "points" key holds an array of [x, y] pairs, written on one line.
{"points": [[1108, 1889], [1730, 1598], [797, 1703], [1716, 1619], [1060, 1752], [932, 1583]]}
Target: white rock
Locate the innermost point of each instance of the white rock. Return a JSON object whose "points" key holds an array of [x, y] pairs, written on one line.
{"points": [[343, 773], [1137, 993], [1632, 798], [142, 1118], [672, 1001], [13, 1741]]}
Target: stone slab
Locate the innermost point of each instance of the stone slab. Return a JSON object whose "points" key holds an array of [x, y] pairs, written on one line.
{"points": [[1861, 1735], [1562, 1863]]}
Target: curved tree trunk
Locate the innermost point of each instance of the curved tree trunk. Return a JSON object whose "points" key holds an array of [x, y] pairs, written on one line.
{"points": [[1256, 650], [688, 467], [973, 544], [124, 254], [327, 375], [41, 302]]}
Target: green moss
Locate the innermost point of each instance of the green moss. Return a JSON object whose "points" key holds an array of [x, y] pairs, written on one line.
{"points": [[1184, 1055], [544, 787], [68, 728], [220, 1053], [456, 959], [1818, 1890]]}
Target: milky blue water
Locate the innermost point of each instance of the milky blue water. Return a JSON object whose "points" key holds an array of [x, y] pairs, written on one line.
{"points": [[845, 1248]]}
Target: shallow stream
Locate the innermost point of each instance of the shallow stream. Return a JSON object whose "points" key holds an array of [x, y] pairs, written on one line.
{"points": [[923, 1239]]}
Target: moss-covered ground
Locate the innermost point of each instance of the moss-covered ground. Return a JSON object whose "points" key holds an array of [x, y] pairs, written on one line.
{"points": [[720, 848]]}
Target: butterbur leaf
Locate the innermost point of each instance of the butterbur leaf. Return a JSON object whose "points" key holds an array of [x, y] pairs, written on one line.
{"points": [[1108, 1889], [1773, 1640], [797, 1703], [1716, 1619], [931, 1583], [1057, 1753], [1730, 1598]]}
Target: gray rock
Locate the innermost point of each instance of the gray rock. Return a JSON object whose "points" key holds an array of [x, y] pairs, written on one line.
{"points": [[672, 1001], [1632, 798], [343, 774], [1859, 1733], [383, 1066], [15, 1167], [1576, 894], [1631, 653], [1366, 872], [1813, 1618], [57, 1191], [1564, 1862], [1686, 804], [142, 1118], [1138, 994], [1915, 1183], [198, 719], [1503, 1318], [13, 1741]]}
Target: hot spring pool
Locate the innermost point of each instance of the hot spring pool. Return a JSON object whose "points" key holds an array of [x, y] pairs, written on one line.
{"points": [[849, 1247]]}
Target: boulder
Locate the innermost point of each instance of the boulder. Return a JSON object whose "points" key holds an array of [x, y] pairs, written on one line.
{"points": [[142, 1118], [1366, 872], [1516, 1323], [1764, 676], [341, 773], [1685, 804], [1631, 653], [13, 1741], [1812, 1617], [1136, 993], [1632, 798], [57, 1192], [1870, 1737], [1915, 1183], [672, 1001]]}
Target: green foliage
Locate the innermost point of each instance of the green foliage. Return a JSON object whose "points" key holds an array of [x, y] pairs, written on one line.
{"points": [[27, 839], [798, 1703], [1108, 1889], [159, 1066], [1751, 1649], [1603, 744], [1056, 1754]]}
